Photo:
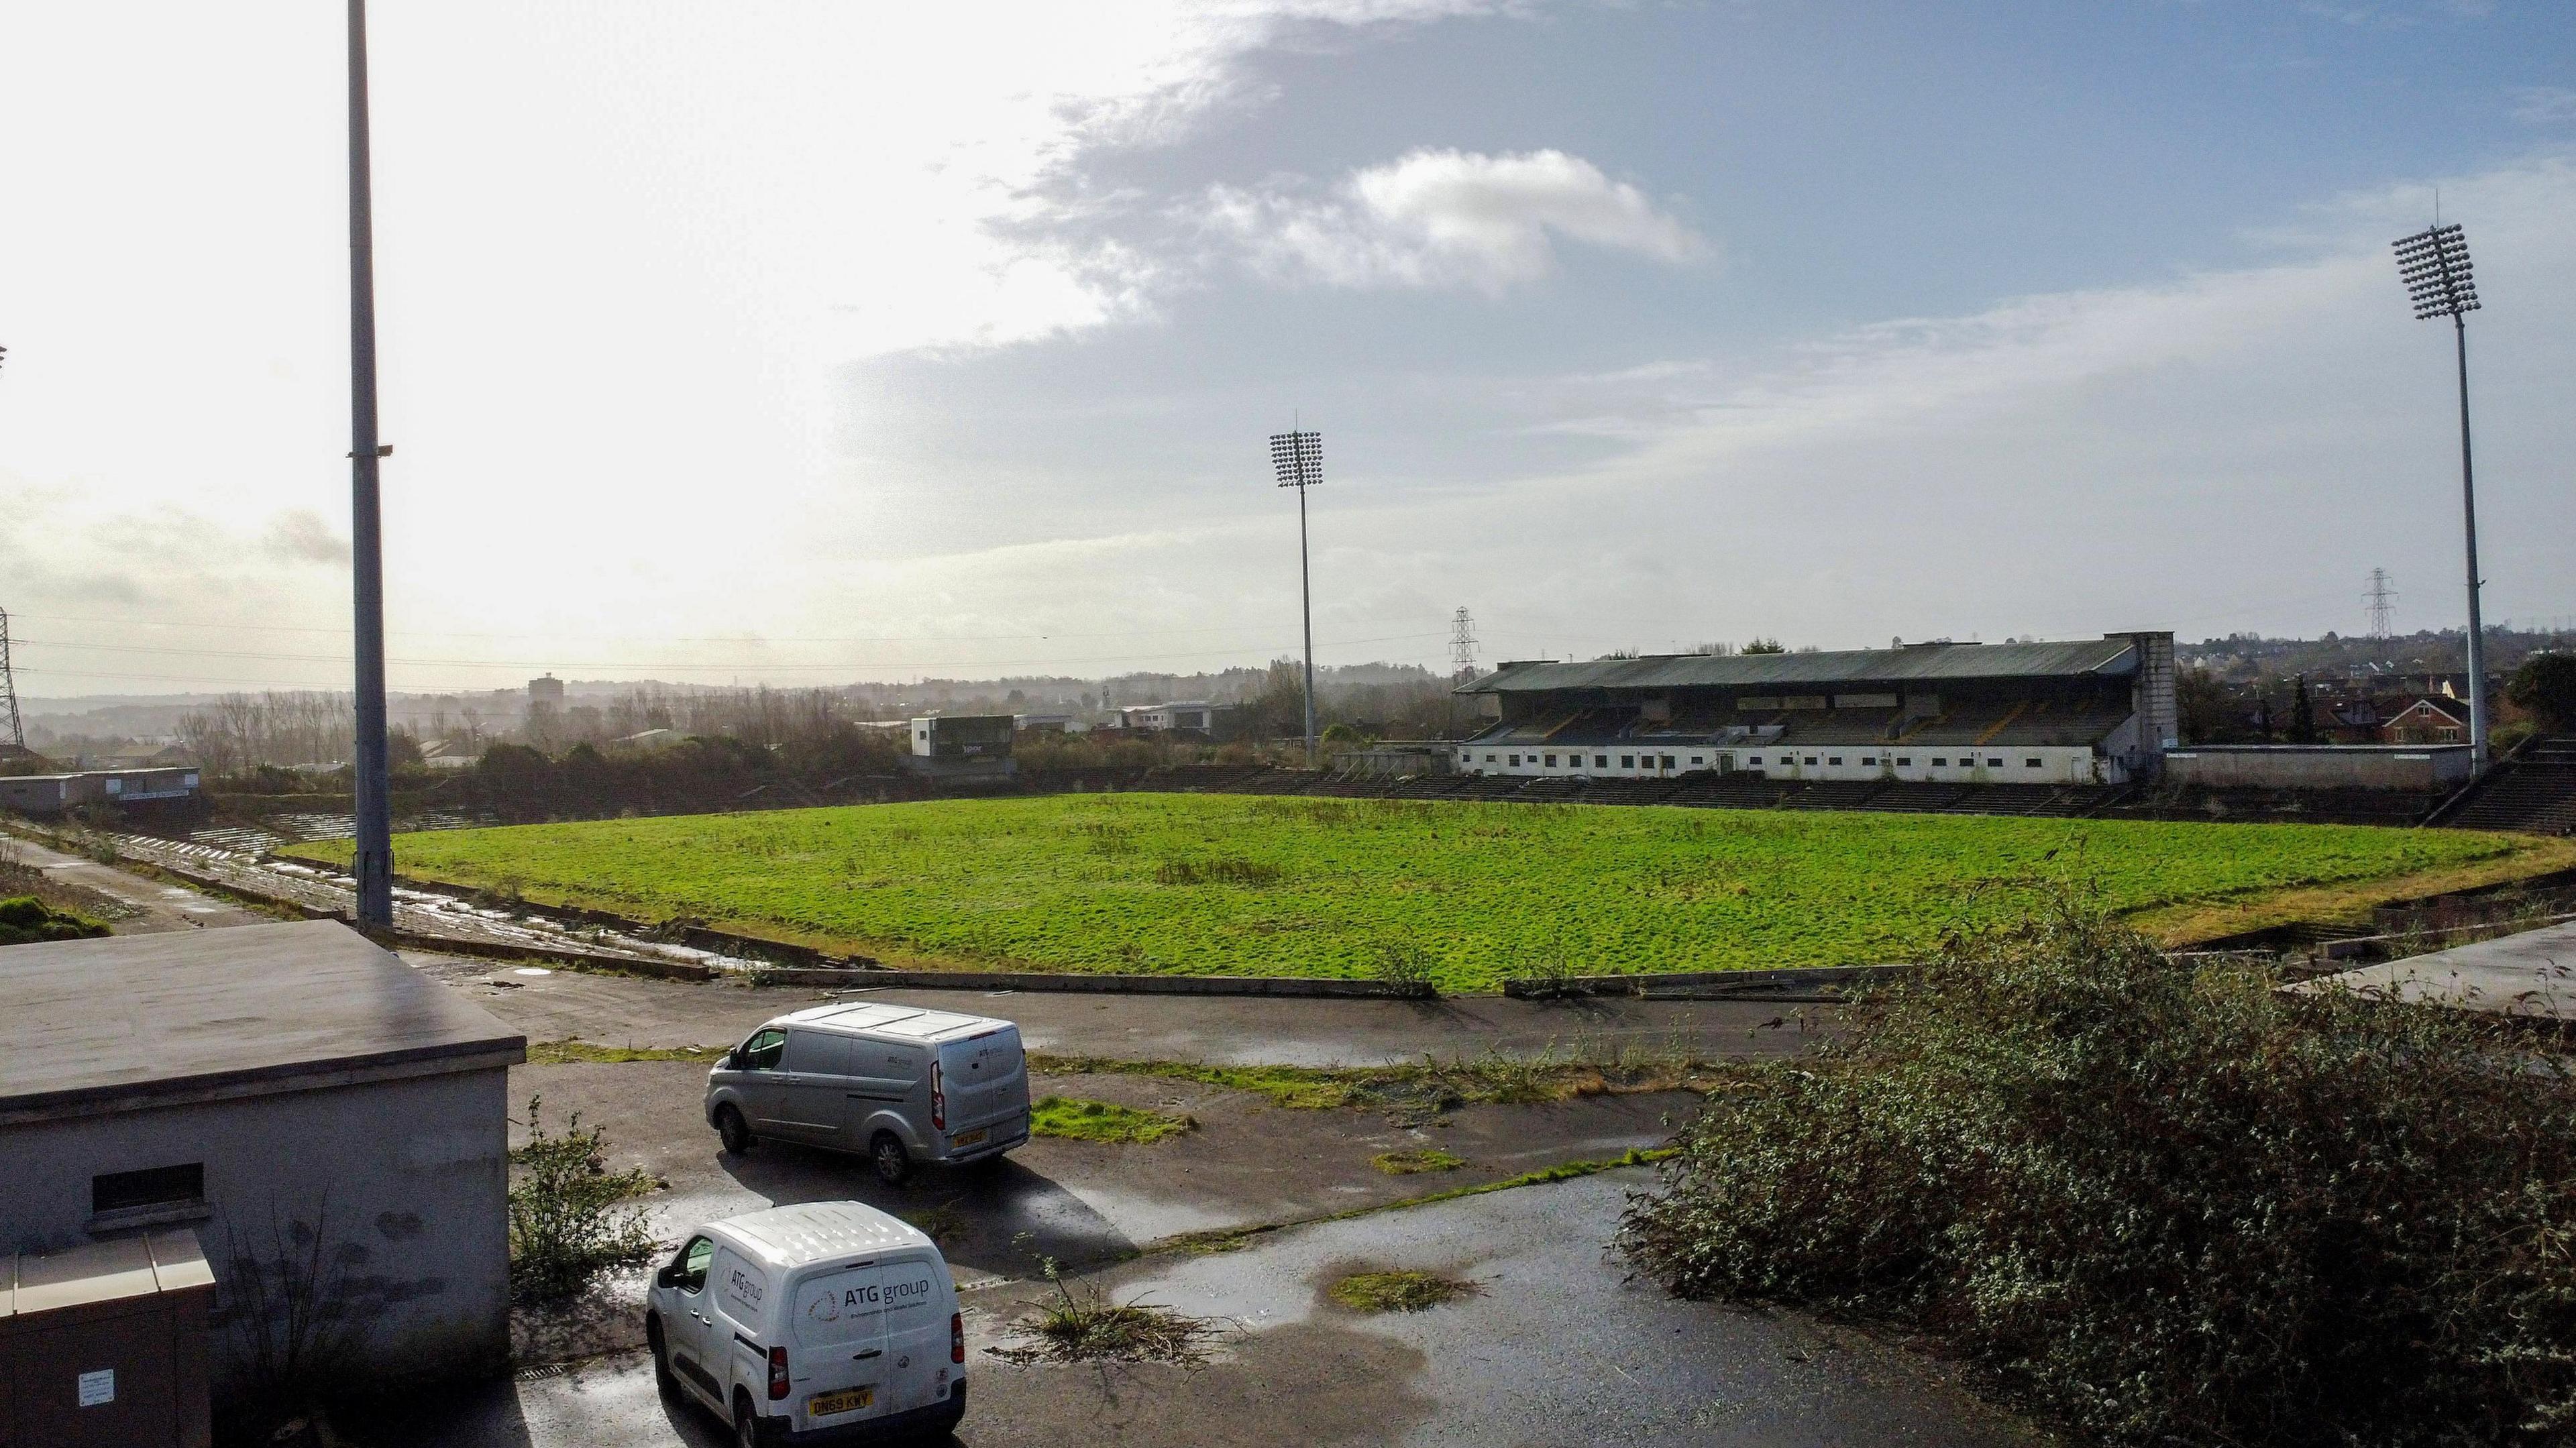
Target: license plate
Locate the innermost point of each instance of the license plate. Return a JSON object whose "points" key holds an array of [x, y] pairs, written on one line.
{"points": [[848, 1400], [969, 1138]]}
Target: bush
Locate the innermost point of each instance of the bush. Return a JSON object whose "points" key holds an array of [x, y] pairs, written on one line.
{"points": [[2168, 1204], [567, 1221], [2546, 685]]}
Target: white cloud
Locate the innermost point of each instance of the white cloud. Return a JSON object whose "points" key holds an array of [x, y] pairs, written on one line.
{"points": [[1446, 218], [2544, 105]]}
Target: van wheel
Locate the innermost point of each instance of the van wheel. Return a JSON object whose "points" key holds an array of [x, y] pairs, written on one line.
{"points": [[735, 1131], [892, 1162], [746, 1428], [662, 1376]]}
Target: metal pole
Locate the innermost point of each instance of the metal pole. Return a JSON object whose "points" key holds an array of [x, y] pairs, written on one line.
{"points": [[373, 864], [2469, 515], [1306, 600]]}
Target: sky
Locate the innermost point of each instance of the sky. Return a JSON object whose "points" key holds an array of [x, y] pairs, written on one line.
{"points": [[803, 343]]}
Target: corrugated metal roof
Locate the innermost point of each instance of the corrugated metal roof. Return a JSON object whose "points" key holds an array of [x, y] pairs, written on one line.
{"points": [[1921, 663]]}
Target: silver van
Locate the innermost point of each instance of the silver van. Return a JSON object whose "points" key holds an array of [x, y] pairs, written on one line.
{"points": [[902, 1084]]}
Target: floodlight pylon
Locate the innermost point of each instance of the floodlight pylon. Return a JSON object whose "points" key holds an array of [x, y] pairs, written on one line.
{"points": [[2440, 282]]}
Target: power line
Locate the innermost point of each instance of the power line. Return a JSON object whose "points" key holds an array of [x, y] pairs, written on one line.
{"points": [[734, 639], [735, 665]]}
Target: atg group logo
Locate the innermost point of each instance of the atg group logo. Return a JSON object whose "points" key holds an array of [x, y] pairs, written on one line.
{"points": [[826, 1307]]}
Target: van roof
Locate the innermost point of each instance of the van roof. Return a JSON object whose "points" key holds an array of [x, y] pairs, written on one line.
{"points": [[816, 1231], [895, 1020]]}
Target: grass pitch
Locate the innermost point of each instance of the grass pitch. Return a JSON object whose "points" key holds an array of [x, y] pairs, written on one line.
{"points": [[1254, 885]]}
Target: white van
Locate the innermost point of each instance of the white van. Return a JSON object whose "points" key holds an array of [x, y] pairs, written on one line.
{"points": [[900, 1083], [827, 1322]]}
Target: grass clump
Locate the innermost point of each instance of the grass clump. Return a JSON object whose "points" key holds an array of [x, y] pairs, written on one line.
{"points": [[1082, 1324], [1075, 1119], [2168, 1204], [24, 920], [1414, 1163], [942, 1224], [569, 1218], [1403, 1291], [1223, 870]]}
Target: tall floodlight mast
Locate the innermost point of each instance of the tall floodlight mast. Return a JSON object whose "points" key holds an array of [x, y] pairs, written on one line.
{"points": [[373, 865], [2434, 265], [1298, 459]]}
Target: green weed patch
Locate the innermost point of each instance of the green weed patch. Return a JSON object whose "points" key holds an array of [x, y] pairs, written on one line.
{"points": [[574, 1052], [1404, 1291], [1078, 1120], [1413, 1163]]}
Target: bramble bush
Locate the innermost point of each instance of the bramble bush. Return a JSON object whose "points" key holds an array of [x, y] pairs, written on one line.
{"points": [[568, 1218], [2166, 1203]]}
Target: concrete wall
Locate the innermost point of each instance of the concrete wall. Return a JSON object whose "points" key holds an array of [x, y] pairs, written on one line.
{"points": [[2320, 766], [406, 1180]]}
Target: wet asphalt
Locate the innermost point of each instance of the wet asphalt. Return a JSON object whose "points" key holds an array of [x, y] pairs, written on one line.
{"points": [[1558, 1347], [156, 907], [1217, 1030]]}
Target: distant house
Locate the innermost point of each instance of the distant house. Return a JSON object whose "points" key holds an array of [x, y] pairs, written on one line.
{"points": [[2430, 719], [446, 754], [143, 756], [962, 746], [1193, 716]]}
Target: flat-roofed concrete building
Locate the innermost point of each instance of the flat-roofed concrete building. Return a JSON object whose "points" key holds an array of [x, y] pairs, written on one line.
{"points": [[312, 1108], [46, 795]]}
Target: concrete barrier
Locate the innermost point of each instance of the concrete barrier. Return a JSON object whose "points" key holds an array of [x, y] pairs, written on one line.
{"points": [[867, 978], [1810, 983]]}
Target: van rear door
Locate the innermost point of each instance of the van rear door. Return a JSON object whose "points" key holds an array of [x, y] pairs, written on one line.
{"points": [[985, 1081], [920, 1303], [839, 1362]]}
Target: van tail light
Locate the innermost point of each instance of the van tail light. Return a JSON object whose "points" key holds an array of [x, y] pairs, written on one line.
{"points": [[938, 1099], [957, 1337], [777, 1373]]}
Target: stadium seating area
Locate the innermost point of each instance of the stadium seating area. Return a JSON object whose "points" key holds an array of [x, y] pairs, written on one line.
{"points": [[2534, 790]]}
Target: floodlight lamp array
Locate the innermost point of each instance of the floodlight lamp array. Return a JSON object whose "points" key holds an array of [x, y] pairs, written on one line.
{"points": [[1298, 458], [2435, 267]]}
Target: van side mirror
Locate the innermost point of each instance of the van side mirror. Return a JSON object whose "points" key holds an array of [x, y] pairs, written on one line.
{"points": [[669, 1276], [732, 1059]]}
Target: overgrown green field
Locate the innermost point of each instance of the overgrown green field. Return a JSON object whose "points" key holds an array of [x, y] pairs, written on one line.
{"points": [[1236, 884]]}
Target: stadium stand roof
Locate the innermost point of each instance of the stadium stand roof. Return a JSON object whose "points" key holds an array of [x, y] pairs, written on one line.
{"points": [[1913, 663]]}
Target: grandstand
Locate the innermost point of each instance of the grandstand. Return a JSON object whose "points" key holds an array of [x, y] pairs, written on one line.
{"points": [[2085, 713]]}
